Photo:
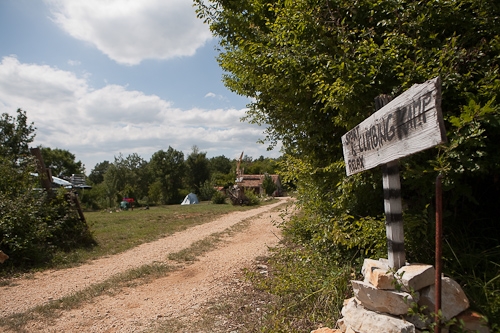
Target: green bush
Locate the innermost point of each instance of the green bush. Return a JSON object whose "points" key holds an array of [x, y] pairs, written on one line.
{"points": [[218, 198], [252, 198], [268, 185], [34, 226], [206, 191]]}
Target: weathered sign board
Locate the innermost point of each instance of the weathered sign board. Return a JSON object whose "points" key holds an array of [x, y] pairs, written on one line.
{"points": [[410, 123]]}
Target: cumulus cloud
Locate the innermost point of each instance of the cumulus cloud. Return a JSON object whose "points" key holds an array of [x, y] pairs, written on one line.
{"points": [[131, 31], [97, 124]]}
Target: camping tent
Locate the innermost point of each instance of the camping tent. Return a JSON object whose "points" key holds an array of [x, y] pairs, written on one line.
{"points": [[190, 199]]}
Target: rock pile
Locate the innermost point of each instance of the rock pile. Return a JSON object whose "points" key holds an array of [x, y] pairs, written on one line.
{"points": [[379, 308]]}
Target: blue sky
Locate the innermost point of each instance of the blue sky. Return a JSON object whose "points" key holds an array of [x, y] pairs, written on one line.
{"points": [[103, 77]]}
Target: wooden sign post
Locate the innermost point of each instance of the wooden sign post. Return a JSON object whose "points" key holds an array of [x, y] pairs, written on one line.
{"points": [[410, 123]]}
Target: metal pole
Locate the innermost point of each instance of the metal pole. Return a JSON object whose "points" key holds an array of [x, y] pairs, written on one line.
{"points": [[439, 238]]}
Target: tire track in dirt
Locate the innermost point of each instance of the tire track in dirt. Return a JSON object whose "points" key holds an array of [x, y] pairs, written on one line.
{"points": [[178, 294], [55, 284]]}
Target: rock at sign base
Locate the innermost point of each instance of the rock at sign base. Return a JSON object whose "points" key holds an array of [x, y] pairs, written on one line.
{"points": [[350, 330], [341, 324], [378, 274], [453, 299], [388, 301], [364, 320], [416, 276]]}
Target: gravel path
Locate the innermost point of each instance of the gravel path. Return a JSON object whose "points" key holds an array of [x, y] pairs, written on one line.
{"points": [[163, 298]]}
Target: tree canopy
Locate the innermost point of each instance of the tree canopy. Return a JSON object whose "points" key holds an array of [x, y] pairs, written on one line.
{"points": [[33, 224], [15, 135], [312, 69], [61, 162]]}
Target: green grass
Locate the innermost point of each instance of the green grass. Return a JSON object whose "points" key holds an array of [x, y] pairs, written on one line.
{"points": [[119, 231]]}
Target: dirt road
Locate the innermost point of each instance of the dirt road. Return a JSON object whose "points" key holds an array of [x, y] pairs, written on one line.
{"points": [[137, 308]]}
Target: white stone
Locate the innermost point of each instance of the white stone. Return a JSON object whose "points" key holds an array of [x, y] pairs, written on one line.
{"points": [[378, 274], [416, 276], [350, 330], [341, 324], [388, 301], [453, 299], [367, 321]]}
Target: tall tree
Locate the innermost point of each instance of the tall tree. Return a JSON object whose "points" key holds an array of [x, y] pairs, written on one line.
{"points": [[197, 169], [222, 171], [126, 177], [15, 135], [313, 69], [167, 169], [220, 164], [33, 226], [96, 176], [61, 162]]}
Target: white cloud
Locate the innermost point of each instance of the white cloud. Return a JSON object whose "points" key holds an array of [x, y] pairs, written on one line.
{"points": [[97, 124], [129, 31], [210, 94], [74, 62]]}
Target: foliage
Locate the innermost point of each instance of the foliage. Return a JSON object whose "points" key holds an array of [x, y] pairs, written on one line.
{"points": [[32, 226], [15, 135], [310, 289], [220, 164], [223, 180], [269, 185], [197, 170], [312, 69], [252, 199], [206, 191], [96, 176], [167, 170], [61, 162], [259, 166], [166, 179], [218, 198], [95, 198]]}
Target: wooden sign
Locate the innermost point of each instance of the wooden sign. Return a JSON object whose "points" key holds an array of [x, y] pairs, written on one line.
{"points": [[410, 123]]}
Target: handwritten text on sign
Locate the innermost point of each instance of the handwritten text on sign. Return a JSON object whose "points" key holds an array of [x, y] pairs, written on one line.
{"points": [[410, 123]]}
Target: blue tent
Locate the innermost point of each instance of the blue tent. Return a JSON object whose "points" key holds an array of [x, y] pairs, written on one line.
{"points": [[190, 199]]}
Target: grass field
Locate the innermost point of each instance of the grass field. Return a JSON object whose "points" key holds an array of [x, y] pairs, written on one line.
{"points": [[119, 231]]}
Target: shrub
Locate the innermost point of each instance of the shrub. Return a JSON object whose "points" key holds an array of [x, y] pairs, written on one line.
{"points": [[269, 185], [32, 225], [252, 198], [218, 198], [207, 191]]}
